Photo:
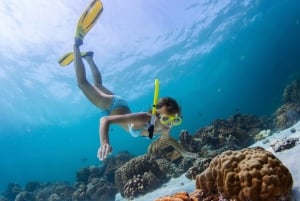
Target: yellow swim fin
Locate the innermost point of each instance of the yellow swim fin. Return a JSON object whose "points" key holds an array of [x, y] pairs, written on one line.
{"points": [[88, 18], [68, 58]]}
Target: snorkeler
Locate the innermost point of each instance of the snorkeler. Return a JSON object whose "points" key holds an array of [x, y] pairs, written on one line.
{"points": [[117, 109], [167, 113]]}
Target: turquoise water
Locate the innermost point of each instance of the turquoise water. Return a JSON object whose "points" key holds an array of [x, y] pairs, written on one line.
{"points": [[215, 57]]}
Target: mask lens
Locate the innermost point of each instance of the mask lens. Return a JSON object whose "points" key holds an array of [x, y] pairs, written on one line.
{"points": [[177, 121], [165, 119], [168, 119]]}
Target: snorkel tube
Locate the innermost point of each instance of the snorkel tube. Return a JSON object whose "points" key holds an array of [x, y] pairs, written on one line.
{"points": [[155, 101]]}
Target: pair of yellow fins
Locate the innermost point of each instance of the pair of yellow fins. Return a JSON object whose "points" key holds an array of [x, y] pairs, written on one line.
{"points": [[86, 22]]}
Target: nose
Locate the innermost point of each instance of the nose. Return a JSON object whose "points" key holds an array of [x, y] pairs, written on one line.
{"points": [[170, 124]]}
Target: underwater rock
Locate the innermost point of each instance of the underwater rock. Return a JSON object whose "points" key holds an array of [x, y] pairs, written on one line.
{"points": [[32, 186], [170, 169], [291, 93], [180, 196], [262, 135], [161, 148], [199, 166], [12, 190], [286, 115], [87, 173], [3, 198], [185, 139], [248, 174], [53, 192], [232, 134], [24, 196], [143, 169], [100, 189], [283, 144], [111, 164], [197, 195]]}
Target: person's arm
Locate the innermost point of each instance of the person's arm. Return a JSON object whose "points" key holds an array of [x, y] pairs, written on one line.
{"points": [[123, 120], [178, 147]]}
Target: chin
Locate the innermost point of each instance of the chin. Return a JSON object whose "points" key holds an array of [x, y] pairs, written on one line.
{"points": [[166, 129]]}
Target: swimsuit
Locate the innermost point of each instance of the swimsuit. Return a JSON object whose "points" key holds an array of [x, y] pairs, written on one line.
{"points": [[137, 132], [117, 102]]}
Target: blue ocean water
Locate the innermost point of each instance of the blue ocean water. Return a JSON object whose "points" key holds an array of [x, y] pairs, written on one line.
{"points": [[215, 57]]}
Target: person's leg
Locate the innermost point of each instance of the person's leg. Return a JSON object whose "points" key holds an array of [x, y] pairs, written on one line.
{"points": [[94, 94], [96, 74]]}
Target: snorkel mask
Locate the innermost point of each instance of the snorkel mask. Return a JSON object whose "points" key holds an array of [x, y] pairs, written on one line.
{"points": [[170, 120]]}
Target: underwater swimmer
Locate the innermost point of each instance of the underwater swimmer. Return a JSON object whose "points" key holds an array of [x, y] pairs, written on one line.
{"points": [[117, 109]]}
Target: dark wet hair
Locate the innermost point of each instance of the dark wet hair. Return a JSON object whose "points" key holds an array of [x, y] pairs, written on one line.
{"points": [[172, 105]]}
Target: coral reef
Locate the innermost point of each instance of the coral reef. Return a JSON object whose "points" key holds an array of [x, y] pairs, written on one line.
{"points": [[248, 174], [113, 163], [198, 166], [197, 195], [285, 143], [232, 134], [161, 148], [291, 93], [139, 176], [288, 113], [180, 196], [262, 134]]}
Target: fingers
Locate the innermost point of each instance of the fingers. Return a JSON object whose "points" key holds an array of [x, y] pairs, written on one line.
{"points": [[191, 155], [103, 151]]}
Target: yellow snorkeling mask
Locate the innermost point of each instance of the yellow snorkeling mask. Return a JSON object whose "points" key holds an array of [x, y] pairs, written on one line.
{"points": [[167, 119]]}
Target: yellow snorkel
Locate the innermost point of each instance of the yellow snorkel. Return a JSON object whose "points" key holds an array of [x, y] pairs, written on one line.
{"points": [[155, 101]]}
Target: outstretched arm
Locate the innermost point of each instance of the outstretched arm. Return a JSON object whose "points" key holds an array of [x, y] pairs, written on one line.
{"points": [[178, 147], [123, 120]]}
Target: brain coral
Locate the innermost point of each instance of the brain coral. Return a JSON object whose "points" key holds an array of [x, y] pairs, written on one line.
{"points": [[249, 174]]}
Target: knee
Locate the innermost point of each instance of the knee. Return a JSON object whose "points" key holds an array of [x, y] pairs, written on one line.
{"points": [[82, 84]]}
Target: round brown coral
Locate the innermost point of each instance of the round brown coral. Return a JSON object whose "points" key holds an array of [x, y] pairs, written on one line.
{"points": [[248, 174]]}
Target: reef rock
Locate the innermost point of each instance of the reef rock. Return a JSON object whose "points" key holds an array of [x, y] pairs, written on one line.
{"points": [[291, 93], [232, 134], [111, 164], [161, 148], [284, 143], [198, 166], [139, 176], [180, 196], [262, 134], [286, 115], [248, 174]]}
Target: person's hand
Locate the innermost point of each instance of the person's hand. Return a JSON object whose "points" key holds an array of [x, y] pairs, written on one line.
{"points": [[103, 151]]}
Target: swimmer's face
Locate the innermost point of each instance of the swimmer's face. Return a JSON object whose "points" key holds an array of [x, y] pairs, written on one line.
{"points": [[167, 120]]}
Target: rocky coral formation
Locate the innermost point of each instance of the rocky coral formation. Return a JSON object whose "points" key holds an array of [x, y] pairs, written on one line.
{"points": [[113, 163], [162, 149], [198, 166], [92, 184], [248, 174], [197, 195], [288, 113], [180, 196], [262, 134], [291, 93], [139, 176], [285, 143], [232, 134]]}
